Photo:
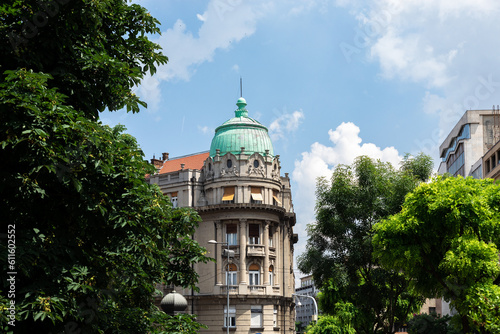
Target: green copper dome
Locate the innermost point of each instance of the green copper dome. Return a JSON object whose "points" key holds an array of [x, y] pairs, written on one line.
{"points": [[241, 131]]}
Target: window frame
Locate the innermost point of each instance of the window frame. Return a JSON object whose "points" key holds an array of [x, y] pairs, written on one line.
{"points": [[256, 316], [230, 315]]}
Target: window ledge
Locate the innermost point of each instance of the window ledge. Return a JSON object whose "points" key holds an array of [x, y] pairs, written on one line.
{"points": [[276, 328], [231, 329], [257, 328]]}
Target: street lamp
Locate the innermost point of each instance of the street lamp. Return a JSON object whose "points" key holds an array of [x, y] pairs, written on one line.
{"points": [[315, 316], [229, 253]]}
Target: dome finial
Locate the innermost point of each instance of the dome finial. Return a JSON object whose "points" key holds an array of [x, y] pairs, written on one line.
{"points": [[241, 111]]}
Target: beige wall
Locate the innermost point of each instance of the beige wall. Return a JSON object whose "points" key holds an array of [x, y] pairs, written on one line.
{"points": [[207, 187]]}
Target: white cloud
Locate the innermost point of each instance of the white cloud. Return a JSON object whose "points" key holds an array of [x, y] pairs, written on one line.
{"points": [[224, 22], [320, 160], [285, 125], [448, 47], [205, 129]]}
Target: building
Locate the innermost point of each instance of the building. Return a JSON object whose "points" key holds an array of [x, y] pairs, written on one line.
{"points": [[472, 147], [306, 308], [244, 201]]}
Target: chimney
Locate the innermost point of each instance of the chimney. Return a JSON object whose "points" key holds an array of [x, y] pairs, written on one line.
{"points": [[164, 156], [157, 163]]}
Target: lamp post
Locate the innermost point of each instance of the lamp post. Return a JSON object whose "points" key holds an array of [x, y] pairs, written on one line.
{"points": [[228, 254], [315, 316]]}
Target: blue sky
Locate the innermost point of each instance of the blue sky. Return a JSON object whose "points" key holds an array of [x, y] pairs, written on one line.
{"points": [[332, 80]]}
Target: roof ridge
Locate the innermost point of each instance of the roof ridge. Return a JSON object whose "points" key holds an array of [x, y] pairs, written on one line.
{"points": [[188, 155]]}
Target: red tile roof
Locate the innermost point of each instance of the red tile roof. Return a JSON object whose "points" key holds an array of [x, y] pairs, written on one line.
{"points": [[194, 161]]}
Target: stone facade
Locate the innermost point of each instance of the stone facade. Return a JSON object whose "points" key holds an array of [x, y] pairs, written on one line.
{"points": [[245, 202]]}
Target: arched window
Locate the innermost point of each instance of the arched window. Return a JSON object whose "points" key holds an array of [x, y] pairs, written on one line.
{"points": [[254, 274], [271, 275], [231, 274]]}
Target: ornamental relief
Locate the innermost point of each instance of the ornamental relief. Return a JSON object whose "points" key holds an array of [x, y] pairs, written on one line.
{"points": [[229, 171], [258, 171]]}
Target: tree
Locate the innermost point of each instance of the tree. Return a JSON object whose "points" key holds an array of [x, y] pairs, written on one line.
{"points": [[430, 324], [91, 235], [96, 51], [339, 250], [86, 236], [340, 323], [446, 240]]}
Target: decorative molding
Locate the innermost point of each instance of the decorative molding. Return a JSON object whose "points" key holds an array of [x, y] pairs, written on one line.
{"points": [[259, 170], [229, 171]]}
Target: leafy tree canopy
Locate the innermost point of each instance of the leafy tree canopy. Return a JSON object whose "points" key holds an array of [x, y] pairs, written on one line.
{"points": [[91, 235], [340, 323], [95, 51], [339, 249], [446, 239]]}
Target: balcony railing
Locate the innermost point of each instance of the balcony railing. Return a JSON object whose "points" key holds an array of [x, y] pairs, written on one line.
{"points": [[255, 250], [233, 289], [256, 288]]}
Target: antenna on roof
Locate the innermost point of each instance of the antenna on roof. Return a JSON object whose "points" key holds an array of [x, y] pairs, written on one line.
{"points": [[241, 87]]}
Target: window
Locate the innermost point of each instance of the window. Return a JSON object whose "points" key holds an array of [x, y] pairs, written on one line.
{"points": [[256, 195], [232, 234], [253, 234], [256, 163], [231, 275], [231, 317], [270, 236], [276, 200], [256, 319], [275, 316], [173, 199], [254, 274], [229, 163], [271, 275], [432, 310], [228, 196]]}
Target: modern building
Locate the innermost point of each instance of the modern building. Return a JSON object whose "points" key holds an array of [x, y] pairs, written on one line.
{"points": [[246, 206], [306, 309], [472, 147]]}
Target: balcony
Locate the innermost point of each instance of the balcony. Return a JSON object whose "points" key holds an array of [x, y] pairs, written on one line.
{"points": [[256, 250], [256, 289], [272, 252], [233, 289]]}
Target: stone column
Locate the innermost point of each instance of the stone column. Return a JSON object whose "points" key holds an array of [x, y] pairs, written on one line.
{"points": [[243, 251], [218, 224], [279, 249], [266, 252]]}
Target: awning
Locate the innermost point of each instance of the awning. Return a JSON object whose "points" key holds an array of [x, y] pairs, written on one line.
{"points": [[275, 196], [228, 194], [256, 194]]}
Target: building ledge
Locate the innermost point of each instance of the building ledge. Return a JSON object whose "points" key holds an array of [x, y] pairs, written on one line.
{"points": [[241, 206]]}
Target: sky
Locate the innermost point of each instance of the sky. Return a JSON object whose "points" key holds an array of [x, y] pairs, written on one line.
{"points": [[332, 80]]}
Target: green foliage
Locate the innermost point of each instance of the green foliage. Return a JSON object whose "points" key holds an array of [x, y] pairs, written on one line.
{"points": [[91, 234], [446, 239], [340, 323], [339, 249], [430, 324], [96, 51]]}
